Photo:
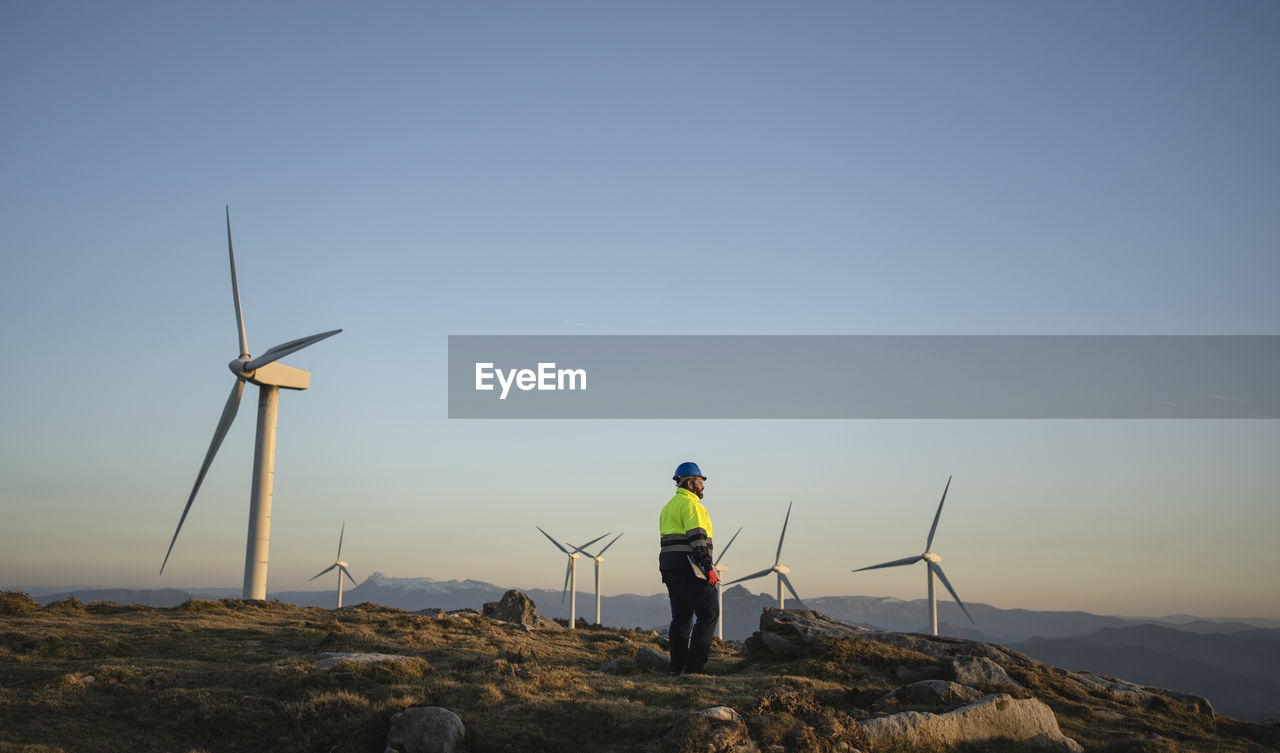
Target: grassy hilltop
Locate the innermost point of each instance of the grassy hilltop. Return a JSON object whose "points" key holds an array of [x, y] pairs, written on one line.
{"points": [[239, 675]]}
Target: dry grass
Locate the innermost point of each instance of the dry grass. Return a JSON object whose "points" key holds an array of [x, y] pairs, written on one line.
{"points": [[232, 675]]}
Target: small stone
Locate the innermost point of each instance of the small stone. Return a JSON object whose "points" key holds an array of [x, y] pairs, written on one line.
{"points": [[649, 659], [327, 660], [720, 714], [613, 665]]}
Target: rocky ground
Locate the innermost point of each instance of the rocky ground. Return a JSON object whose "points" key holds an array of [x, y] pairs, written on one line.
{"points": [[239, 675]]}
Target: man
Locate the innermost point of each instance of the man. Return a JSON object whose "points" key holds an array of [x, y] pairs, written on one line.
{"points": [[685, 563]]}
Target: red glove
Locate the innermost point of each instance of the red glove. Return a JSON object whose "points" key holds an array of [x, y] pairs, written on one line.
{"points": [[713, 577]]}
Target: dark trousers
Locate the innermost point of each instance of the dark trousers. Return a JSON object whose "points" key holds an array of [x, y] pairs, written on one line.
{"points": [[690, 642]]}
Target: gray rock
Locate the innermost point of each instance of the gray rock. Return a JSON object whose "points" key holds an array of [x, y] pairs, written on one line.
{"points": [[980, 672], [513, 607], [806, 625], [779, 646], [431, 612], [718, 729], [649, 659], [613, 665], [1109, 687], [327, 660], [930, 693], [916, 674], [425, 729], [994, 717], [720, 714], [1198, 702]]}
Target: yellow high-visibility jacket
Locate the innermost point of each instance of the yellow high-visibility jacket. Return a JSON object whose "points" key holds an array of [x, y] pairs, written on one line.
{"points": [[685, 529]]}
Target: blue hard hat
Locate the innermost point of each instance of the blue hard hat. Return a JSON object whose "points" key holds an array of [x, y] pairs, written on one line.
{"points": [[688, 468]]}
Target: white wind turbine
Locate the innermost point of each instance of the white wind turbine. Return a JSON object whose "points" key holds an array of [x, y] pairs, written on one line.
{"points": [[933, 565], [720, 571], [341, 567], [571, 574], [270, 375], [781, 570], [599, 560]]}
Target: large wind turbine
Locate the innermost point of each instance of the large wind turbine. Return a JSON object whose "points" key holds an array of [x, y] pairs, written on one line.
{"points": [[720, 571], [599, 560], [340, 565], [571, 574], [933, 565], [781, 570], [270, 375]]}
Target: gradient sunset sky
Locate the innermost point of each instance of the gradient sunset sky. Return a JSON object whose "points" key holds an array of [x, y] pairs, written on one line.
{"points": [[408, 171]]}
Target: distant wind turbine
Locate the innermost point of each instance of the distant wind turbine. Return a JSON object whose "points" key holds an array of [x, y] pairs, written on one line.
{"points": [[340, 565], [720, 571], [781, 570], [270, 375], [599, 560], [571, 574], [933, 565]]}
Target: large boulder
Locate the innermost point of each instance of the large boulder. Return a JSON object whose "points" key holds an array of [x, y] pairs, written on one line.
{"points": [[806, 625], [1028, 722], [514, 607], [425, 729]]}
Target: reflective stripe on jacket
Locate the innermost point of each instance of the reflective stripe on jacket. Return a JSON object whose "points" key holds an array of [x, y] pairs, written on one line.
{"points": [[684, 528]]}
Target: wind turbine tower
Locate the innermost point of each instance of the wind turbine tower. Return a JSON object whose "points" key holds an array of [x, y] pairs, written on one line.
{"points": [[720, 571], [781, 570], [571, 573], [933, 565], [340, 565], [599, 560], [270, 376]]}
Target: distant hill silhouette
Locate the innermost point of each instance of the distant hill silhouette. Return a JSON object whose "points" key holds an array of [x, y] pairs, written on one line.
{"points": [[1238, 671]]}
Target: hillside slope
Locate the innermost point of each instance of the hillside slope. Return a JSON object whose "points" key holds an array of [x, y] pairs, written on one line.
{"points": [[239, 675]]}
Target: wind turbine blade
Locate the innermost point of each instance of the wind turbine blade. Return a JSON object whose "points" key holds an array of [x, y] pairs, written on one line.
{"points": [[322, 572], [284, 349], [778, 558], [606, 546], [726, 547], [579, 549], [943, 577], [895, 563], [220, 433], [340, 535], [760, 574], [787, 582], [347, 573], [929, 544], [235, 289], [553, 541]]}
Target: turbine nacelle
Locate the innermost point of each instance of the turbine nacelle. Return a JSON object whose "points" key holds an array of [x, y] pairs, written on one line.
{"points": [[932, 557], [274, 374]]}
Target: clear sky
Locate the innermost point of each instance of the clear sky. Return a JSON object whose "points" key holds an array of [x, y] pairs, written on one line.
{"points": [[408, 171]]}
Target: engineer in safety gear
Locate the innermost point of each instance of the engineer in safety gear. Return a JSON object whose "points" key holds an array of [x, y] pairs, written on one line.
{"points": [[687, 571]]}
